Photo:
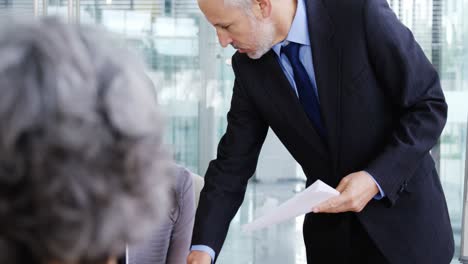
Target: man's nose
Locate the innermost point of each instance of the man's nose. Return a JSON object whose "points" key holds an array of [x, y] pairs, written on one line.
{"points": [[224, 38]]}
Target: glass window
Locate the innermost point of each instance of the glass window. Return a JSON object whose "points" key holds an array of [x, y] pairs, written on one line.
{"points": [[441, 27], [194, 79], [190, 71], [25, 8]]}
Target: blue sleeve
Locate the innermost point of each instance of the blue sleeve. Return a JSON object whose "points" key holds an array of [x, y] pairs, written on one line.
{"points": [[381, 193], [206, 249]]}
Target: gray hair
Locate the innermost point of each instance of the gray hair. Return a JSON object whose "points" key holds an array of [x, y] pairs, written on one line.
{"points": [[82, 165]]}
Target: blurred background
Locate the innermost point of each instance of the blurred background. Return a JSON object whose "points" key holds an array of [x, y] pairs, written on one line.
{"points": [[194, 79]]}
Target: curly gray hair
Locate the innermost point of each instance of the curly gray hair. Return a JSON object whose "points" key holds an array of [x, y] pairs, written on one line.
{"points": [[82, 165]]}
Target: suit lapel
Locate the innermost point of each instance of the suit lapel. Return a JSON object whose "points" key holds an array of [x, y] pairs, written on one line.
{"points": [[326, 58], [286, 101]]}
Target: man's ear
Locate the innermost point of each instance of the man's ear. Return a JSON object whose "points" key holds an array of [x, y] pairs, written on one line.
{"points": [[264, 6]]}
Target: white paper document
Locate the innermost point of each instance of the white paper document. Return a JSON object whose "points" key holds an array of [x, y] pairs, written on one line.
{"points": [[299, 204]]}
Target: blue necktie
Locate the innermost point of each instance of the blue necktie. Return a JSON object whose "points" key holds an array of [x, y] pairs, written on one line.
{"points": [[305, 87]]}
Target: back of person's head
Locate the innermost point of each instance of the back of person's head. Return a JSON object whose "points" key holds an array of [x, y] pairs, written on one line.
{"points": [[82, 166]]}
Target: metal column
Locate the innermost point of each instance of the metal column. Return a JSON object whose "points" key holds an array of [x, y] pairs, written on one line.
{"points": [[209, 65], [464, 232], [437, 60], [36, 7]]}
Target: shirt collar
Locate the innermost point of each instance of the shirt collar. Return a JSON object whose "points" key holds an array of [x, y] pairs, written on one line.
{"points": [[299, 32]]}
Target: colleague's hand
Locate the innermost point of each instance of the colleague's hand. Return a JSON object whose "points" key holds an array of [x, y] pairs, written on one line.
{"points": [[356, 190], [198, 257]]}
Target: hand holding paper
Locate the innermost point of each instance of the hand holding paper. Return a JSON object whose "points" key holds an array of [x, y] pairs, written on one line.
{"points": [[300, 204], [356, 189]]}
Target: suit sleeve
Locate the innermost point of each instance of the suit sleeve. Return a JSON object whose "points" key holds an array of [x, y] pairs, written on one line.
{"points": [[413, 86], [227, 176]]}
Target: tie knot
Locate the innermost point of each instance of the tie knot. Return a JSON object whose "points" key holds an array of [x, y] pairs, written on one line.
{"points": [[291, 51]]}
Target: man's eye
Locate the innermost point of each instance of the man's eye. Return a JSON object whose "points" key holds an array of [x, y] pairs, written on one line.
{"points": [[225, 27]]}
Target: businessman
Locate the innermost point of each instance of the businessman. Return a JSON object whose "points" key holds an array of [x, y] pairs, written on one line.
{"points": [[351, 95]]}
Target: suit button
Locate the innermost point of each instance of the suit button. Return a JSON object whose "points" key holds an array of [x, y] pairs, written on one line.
{"points": [[402, 188]]}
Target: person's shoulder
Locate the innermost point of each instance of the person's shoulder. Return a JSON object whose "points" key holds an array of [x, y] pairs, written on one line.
{"points": [[339, 9], [184, 180], [345, 16], [342, 3]]}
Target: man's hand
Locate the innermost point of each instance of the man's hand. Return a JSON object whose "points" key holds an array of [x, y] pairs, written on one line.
{"points": [[198, 257], [356, 189]]}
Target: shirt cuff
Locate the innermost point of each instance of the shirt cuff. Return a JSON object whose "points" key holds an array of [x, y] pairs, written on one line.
{"points": [[205, 249], [381, 193]]}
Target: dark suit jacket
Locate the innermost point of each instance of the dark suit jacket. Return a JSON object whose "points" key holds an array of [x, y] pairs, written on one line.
{"points": [[383, 110]]}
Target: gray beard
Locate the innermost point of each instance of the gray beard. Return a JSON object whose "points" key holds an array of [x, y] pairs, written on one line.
{"points": [[265, 35]]}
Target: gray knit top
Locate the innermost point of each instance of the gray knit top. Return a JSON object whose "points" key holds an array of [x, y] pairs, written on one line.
{"points": [[170, 241]]}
